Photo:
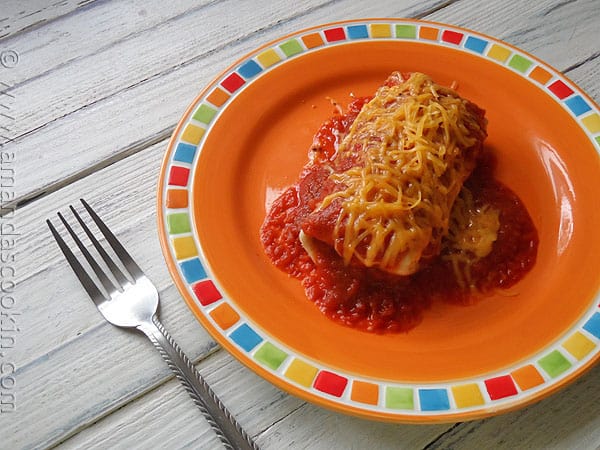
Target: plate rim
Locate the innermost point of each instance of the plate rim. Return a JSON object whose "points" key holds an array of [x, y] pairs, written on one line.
{"points": [[490, 407]]}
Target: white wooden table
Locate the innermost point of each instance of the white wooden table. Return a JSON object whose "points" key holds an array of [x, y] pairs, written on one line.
{"points": [[90, 92]]}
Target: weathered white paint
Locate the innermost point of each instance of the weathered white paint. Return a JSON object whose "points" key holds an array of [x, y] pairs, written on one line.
{"points": [[17, 16], [95, 129]]}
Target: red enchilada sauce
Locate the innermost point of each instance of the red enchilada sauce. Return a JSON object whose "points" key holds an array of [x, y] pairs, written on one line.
{"points": [[370, 299]]}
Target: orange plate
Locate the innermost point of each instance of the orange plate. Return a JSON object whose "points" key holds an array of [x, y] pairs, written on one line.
{"points": [[246, 137]]}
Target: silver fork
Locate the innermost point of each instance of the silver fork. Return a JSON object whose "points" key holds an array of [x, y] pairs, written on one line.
{"points": [[132, 302]]}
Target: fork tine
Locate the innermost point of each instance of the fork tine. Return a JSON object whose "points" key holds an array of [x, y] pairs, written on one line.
{"points": [[107, 259], [88, 284], [106, 283], [130, 264]]}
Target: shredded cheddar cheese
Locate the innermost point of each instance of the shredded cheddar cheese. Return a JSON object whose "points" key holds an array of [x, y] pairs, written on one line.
{"points": [[412, 147]]}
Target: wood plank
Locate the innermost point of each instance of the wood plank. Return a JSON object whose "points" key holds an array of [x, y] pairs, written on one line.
{"points": [[17, 16], [263, 411], [316, 428], [74, 385], [569, 419], [588, 72], [559, 32], [178, 423], [159, 419], [88, 31], [275, 419]]}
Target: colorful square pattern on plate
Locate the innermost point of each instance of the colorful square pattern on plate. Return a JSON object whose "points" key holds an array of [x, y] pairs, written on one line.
{"points": [[553, 363]]}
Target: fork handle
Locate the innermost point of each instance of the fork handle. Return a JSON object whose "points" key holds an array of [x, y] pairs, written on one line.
{"points": [[223, 423]]}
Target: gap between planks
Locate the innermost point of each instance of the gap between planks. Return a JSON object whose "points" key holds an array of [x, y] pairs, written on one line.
{"points": [[204, 358]]}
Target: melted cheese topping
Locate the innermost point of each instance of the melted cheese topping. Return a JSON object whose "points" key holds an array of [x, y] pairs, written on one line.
{"points": [[409, 151], [471, 235]]}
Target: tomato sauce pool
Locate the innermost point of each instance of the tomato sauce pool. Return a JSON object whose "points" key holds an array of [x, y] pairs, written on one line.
{"points": [[372, 300]]}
